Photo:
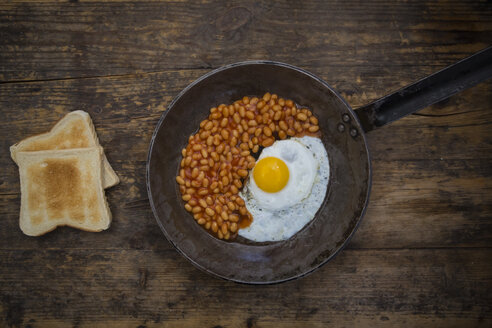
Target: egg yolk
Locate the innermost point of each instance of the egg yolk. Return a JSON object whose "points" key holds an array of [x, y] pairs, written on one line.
{"points": [[271, 174]]}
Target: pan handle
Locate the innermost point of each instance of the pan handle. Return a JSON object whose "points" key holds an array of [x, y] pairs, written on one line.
{"points": [[430, 90]]}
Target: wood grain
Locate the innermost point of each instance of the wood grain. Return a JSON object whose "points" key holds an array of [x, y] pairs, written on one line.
{"points": [[421, 256], [75, 39], [129, 288]]}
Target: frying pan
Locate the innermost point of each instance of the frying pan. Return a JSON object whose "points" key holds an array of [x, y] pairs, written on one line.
{"points": [[343, 135]]}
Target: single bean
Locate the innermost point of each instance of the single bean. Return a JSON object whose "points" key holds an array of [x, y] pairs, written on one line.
{"points": [[250, 115], [244, 124], [268, 142], [242, 111], [208, 126], [224, 216], [224, 228], [313, 128], [265, 110], [203, 192], [283, 125], [242, 173], [301, 116], [225, 134], [202, 203]]}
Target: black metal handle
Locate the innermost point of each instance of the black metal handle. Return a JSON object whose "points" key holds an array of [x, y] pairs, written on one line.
{"points": [[430, 90]]}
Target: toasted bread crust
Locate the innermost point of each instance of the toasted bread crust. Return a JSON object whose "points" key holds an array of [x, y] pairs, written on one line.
{"points": [[74, 130]]}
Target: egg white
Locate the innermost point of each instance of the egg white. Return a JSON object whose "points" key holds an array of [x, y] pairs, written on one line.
{"points": [[272, 223], [302, 167]]}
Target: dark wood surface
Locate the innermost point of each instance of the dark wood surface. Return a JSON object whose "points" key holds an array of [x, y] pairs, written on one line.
{"points": [[422, 256]]}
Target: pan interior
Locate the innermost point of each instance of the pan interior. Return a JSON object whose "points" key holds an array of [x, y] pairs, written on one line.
{"points": [[335, 221]]}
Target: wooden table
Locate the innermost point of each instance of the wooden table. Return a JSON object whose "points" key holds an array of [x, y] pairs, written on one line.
{"points": [[422, 256]]}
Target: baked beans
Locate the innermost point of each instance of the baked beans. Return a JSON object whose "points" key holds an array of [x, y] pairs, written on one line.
{"points": [[217, 158]]}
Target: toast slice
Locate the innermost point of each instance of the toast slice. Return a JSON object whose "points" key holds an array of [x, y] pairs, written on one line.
{"points": [[75, 130], [62, 187]]}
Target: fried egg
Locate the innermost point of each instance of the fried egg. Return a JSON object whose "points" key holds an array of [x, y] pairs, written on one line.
{"points": [[285, 188]]}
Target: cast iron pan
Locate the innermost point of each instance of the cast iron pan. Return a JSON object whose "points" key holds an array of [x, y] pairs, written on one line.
{"points": [[343, 135]]}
